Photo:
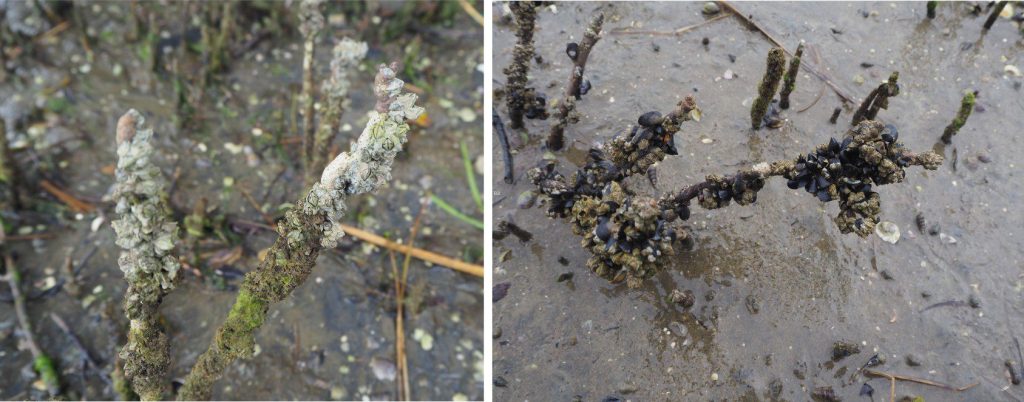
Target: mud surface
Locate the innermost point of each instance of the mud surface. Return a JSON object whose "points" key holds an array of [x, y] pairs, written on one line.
{"points": [[776, 284], [335, 336]]}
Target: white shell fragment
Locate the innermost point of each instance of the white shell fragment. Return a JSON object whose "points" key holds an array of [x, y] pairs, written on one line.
{"points": [[888, 231]]}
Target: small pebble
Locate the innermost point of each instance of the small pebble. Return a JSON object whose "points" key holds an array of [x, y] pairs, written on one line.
{"points": [[500, 382], [682, 298], [974, 302], [526, 199], [912, 361], [565, 276]]}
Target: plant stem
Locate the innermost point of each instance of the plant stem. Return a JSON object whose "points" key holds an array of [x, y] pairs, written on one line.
{"points": [[966, 105], [42, 363], [308, 228], [769, 85], [789, 83], [456, 213], [517, 96], [994, 14], [556, 138], [471, 176]]}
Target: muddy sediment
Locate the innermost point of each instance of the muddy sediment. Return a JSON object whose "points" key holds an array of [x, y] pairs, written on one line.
{"points": [[813, 285]]}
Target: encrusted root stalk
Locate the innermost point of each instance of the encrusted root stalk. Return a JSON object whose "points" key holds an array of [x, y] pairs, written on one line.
{"points": [[931, 9], [312, 225], [147, 234], [311, 22], [518, 96], [575, 88], [877, 99], [631, 236], [994, 15], [966, 105], [347, 56], [8, 170], [769, 85], [789, 83]]}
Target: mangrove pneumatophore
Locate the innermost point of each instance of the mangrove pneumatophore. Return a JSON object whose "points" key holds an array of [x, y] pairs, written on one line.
{"points": [[577, 85], [147, 234], [776, 65], [521, 100]]}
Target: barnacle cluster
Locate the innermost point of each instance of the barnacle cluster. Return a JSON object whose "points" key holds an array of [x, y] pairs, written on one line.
{"points": [[147, 234], [367, 165], [630, 235], [144, 228], [626, 234], [721, 190]]}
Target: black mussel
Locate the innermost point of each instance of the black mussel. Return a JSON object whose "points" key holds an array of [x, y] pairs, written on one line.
{"points": [[822, 182], [602, 231], [612, 205], [834, 145], [724, 195], [683, 212], [739, 186], [846, 143], [811, 186], [670, 148], [657, 230], [659, 130], [793, 184], [613, 243], [646, 134], [626, 246], [585, 87], [650, 119], [890, 134], [859, 223], [823, 196], [672, 235], [572, 50]]}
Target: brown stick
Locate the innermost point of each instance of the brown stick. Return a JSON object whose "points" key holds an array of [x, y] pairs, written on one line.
{"points": [[43, 365], [894, 377], [74, 203], [428, 256], [556, 139], [676, 32]]}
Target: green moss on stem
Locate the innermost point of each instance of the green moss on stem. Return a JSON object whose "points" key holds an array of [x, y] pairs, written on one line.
{"points": [[966, 105]]}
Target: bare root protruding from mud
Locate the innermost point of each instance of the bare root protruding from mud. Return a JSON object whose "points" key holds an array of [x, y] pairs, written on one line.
{"points": [[578, 53]]}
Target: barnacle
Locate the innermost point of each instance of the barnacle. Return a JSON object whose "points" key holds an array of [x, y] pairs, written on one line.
{"points": [[367, 165]]}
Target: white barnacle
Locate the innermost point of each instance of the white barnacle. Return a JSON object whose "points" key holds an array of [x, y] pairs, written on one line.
{"points": [[144, 230], [367, 165]]}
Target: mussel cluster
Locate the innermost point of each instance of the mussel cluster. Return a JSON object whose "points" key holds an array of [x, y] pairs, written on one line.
{"points": [[626, 234], [742, 188], [535, 105], [846, 171], [646, 144], [554, 185]]}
